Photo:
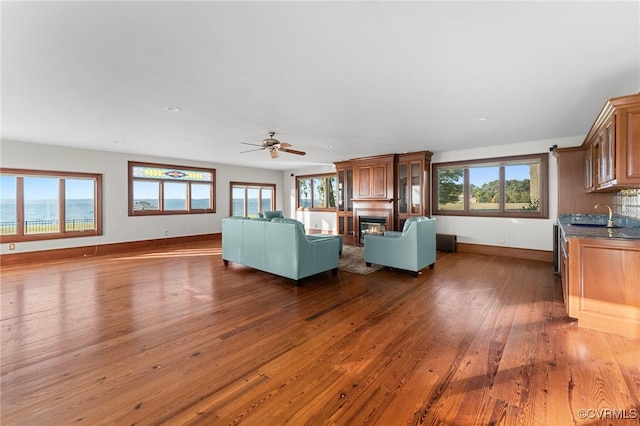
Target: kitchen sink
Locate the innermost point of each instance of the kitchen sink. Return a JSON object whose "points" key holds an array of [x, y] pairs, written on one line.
{"points": [[595, 225]]}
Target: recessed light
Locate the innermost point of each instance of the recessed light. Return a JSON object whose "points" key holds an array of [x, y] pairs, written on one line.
{"points": [[173, 109], [480, 119], [118, 142], [329, 146]]}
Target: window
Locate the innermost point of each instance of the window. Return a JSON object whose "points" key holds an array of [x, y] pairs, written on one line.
{"points": [[39, 205], [249, 199], [156, 189], [317, 192], [503, 187]]}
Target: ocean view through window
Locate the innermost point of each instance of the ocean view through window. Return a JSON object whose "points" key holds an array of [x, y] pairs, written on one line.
{"points": [[251, 199], [37, 205], [160, 189]]}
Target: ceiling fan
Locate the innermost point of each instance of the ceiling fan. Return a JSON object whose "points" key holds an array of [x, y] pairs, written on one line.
{"points": [[273, 145]]}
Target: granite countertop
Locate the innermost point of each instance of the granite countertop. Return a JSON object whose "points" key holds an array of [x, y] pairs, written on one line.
{"points": [[595, 226]]}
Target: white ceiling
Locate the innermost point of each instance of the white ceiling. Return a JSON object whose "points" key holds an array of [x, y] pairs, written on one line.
{"points": [[366, 78]]}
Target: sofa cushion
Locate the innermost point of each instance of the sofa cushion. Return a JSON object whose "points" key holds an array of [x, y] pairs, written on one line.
{"points": [[289, 220], [270, 214]]}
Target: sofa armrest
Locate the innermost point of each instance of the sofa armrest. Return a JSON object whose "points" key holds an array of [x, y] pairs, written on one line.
{"points": [[392, 234]]}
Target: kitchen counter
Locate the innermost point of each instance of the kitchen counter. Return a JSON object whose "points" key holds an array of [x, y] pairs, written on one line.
{"points": [[595, 226]]}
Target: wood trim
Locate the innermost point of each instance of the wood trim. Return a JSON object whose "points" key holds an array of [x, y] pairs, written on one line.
{"points": [[161, 181], [311, 231], [518, 253], [20, 174], [500, 162], [254, 185], [100, 250]]}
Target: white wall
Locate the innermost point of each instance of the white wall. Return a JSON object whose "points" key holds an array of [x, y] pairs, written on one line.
{"points": [[521, 233], [117, 225]]}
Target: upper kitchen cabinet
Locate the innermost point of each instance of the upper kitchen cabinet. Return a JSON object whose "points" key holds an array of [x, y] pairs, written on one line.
{"points": [[612, 146]]}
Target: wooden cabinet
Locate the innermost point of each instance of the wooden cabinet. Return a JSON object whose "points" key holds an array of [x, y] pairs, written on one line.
{"points": [[612, 146], [373, 177], [412, 181], [345, 222], [572, 166], [589, 168], [600, 283], [628, 145], [600, 163], [564, 268]]}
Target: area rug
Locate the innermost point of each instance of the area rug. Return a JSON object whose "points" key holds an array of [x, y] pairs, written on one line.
{"points": [[352, 260]]}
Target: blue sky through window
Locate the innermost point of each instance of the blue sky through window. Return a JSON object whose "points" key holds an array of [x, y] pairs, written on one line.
{"points": [[482, 175], [41, 188]]}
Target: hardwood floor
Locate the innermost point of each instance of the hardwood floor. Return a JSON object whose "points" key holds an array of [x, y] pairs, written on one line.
{"points": [[174, 337]]}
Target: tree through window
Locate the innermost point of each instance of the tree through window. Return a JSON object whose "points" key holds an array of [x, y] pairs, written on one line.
{"points": [[508, 186], [317, 192]]}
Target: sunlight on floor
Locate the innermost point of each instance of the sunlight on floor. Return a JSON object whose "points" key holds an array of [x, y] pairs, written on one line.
{"points": [[175, 253]]}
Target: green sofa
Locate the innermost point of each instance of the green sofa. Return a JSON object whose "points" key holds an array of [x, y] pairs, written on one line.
{"points": [[411, 250], [278, 246]]}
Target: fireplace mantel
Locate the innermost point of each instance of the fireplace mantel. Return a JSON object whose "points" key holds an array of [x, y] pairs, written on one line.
{"points": [[372, 200]]}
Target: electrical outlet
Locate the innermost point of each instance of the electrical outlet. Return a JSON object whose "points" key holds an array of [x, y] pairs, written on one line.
{"points": [[502, 240], [12, 246], [166, 233]]}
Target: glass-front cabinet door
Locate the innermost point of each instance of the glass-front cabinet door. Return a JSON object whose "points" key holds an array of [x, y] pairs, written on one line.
{"points": [[412, 185], [345, 201], [403, 194]]}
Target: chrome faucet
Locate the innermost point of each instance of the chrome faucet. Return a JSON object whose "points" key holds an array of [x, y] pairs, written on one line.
{"points": [[610, 221]]}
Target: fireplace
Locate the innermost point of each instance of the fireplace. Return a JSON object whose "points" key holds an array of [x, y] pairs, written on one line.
{"points": [[371, 225]]}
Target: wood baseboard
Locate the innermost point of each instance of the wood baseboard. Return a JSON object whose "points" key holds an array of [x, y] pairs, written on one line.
{"points": [[518, 253], [100, 250], [132, 246]]}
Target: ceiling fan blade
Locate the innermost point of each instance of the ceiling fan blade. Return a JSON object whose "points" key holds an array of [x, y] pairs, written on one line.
{"points": [[274, 153], [251, 150], [292, 151], [254, 144]]}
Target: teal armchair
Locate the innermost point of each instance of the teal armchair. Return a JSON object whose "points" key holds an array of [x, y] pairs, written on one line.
{"points": [[412, 249]]}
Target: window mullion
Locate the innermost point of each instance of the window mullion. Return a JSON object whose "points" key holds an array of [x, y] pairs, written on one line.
{"points": [[467, 191], [20, 206], [326, 193], [161, 196], [503, 189], [62, 225], [246, 201], [313, 195], [188, 200]]}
